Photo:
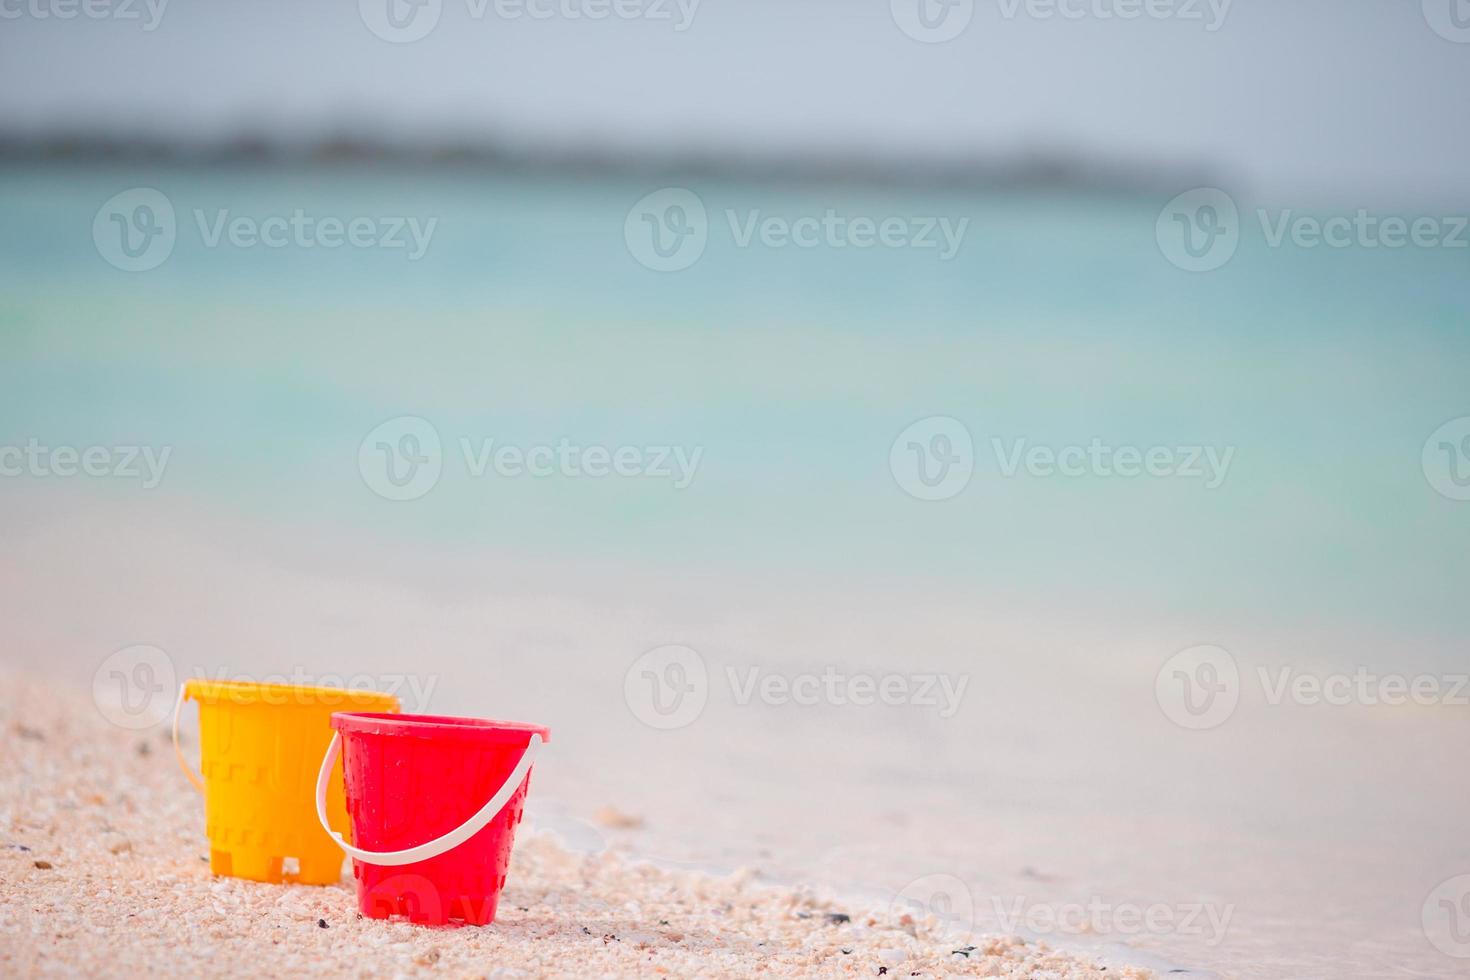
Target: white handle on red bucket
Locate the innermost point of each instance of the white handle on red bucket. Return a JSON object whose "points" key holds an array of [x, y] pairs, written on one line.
{"points": [[178, 751], [439, 845]]}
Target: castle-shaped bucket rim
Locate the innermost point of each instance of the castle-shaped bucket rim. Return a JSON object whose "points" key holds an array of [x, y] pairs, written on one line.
{"points": [[249, 693]]}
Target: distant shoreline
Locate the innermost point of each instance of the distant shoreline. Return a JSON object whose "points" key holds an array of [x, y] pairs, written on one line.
{"points": [[1028, 170]]}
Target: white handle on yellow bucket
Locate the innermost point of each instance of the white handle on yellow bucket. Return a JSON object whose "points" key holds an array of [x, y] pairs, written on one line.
{"points": [[179, 752], [439, 845]]}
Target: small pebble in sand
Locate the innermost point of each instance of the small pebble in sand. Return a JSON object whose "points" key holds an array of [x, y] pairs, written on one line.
{"points": [[321, 923], [612, 817], [838, 918], [44, 865]]}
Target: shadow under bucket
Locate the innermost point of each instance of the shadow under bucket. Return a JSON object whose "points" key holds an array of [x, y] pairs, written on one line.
{"points": [[434, 802]]}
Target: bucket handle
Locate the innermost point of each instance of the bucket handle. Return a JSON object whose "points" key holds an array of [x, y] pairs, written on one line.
{"points": [[178, 751], [439, 845]]}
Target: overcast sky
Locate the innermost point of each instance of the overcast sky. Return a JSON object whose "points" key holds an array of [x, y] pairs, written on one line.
{"points": [[1313, 97]]}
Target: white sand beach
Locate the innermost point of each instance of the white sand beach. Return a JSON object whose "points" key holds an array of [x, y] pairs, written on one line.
{"points": [[104, 874]]}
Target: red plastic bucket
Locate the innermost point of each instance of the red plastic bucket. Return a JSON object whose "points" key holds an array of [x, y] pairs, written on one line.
{"points": [[434, 803]]}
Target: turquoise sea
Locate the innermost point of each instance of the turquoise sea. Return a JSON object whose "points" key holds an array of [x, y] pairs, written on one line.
{"points": [[527, 320]]}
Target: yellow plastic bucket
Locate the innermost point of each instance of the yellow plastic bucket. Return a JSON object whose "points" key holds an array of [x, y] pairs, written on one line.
{"points": [[259, 749]]}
